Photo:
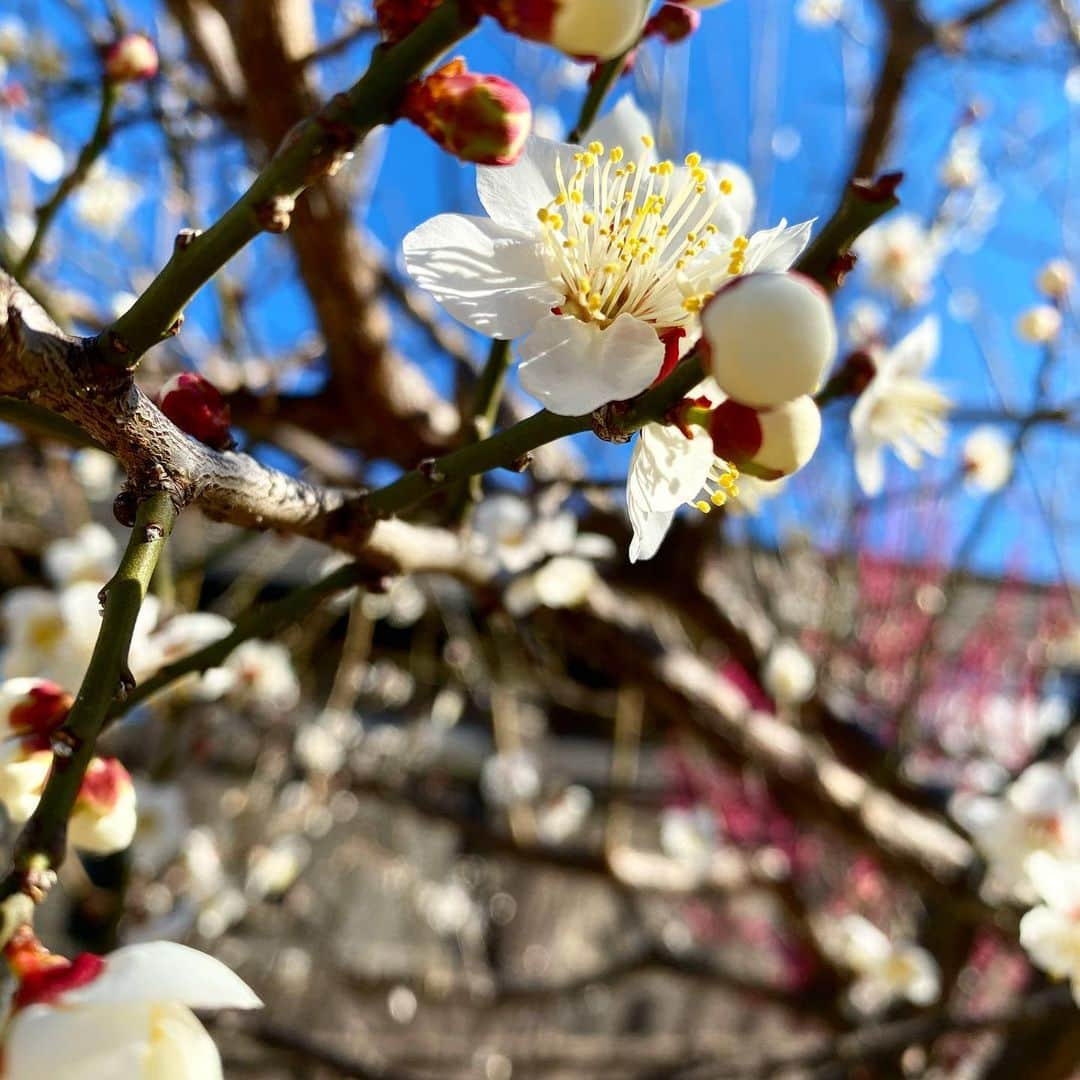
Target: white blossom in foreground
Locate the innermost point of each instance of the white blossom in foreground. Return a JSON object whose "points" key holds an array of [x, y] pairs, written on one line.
{"points": [[1056, 279], [789, 675], [1039, 325], [91, 554], [988, 459], [899, 409], [1039, 812], [1050, 932], [901, 256], [595, 257], [887, 970], [126, 1016]]}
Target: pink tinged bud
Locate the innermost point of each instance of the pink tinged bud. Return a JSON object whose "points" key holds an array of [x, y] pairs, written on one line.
{"points": [[673, 23], [104, 786], [480, 118], [103, 820], [131, 58], [33, 706], [597, 28], [767, 443], [196, 406], [770, 338]]}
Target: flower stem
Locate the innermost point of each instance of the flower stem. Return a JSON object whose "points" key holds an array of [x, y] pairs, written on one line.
{"points": [[43, 838], [607, 75]]}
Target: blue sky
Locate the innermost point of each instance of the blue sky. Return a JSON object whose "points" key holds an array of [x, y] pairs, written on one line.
{"points": [[784, 100]]}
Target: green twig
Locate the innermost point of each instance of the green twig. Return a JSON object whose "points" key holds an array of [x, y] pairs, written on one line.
{"points": [[311, 150], [606, 77], [97, 145], [43, 840]]}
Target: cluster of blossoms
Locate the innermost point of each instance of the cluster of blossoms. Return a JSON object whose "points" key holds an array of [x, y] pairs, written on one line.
{"points": [[1041, 324], [607, 263], [1030, 838]]}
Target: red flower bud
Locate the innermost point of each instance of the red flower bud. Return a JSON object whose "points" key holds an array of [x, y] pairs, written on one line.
{"points": [[479, 118], [398, 18], [131, 58], [194, 405], [673, 23]]}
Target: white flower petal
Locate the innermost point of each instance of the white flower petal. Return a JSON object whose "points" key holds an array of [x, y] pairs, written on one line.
{"points": [[870, 469], [667, 469], [165, 971], [512, 194], [742, 200], [912, 354], [491, 279], [572, 367], [777, 249], [626, 125]]}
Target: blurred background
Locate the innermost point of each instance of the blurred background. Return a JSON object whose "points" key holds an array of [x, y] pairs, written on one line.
{"points": [[759, 807]]}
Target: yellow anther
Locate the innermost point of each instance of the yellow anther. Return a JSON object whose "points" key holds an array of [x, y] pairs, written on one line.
{"points": [[700, 189], [631, 167], [648, 141], [726, 186], [663, 231], [699, 176], [740, 243], [596, 148], [733, 491], [569, 243], [596, 301], [576, 197], [693, 160], [703, 506], [681, 264], [588, 218], [711, 229], [666, 168], [560, 199], [616, 154], [555, 221], [718, 498], [691, 237], [542, 214], [611, 268]]}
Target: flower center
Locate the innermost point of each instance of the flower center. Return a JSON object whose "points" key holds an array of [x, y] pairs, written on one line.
{"points": [[620, 235], [721, 484]]}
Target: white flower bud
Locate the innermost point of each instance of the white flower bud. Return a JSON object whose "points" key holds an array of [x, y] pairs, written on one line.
{"points": [[1056, 279], [988, 459], [771, 338], [789, 674], [1039, 324], [789, 437], [600, 28]]}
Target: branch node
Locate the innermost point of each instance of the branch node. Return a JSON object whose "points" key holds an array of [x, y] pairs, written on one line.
{"points": [[275, 215], [185, 238], [124, 508], [607, 422], [521, 464], [64, 742], [430, 471]]}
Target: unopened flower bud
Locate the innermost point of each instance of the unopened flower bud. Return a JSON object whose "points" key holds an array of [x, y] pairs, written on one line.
{"points": [[131, 58], [598, 28], [789, 675], [673, 23], [104, 819], [988, 459], [1039, 324], [770, 338], [766, 443], [398, 18], [1056, 279], [479, 118], [32, 707], [196, 406]]}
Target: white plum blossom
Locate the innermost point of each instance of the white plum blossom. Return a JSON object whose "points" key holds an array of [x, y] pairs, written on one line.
{"points": [[510, 778], [104, 816], [183, 634], [162, 826], [106, 199], [35, 151], [789, 675], [962, 167], [819, 12], [865, 324], [517, 535], [887, 971], [563, 816], [51, 635], [563, 582], [273, 870], [126, 1016], [13, 39], [899, 408], [1039, 325], [902, 257], [91, 554], [1056, 279], [95, 470], [263, 676], [1050, 932], [591, 255], [689, 836], [1040, 811], [988, 459]]}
